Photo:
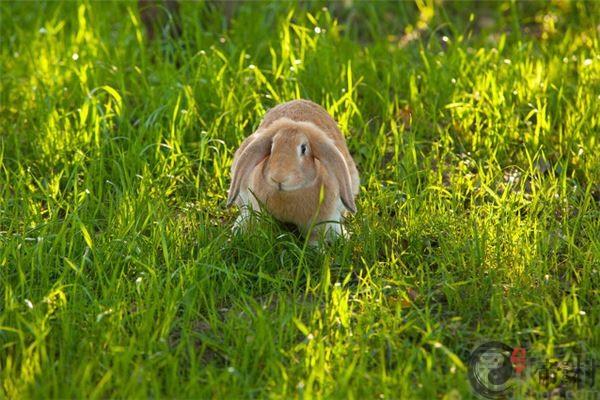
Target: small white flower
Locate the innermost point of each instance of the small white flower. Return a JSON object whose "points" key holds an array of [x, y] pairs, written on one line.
{"points": [[310, 337], [231, 370], [75, 56], [587, 62], [28, 303], [43, 31], [445, 39], [317, 30], [581, 312], [251, 66], [507, 61]]}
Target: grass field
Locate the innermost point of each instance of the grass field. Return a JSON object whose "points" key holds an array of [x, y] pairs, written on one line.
{"points": [[475, 127]]}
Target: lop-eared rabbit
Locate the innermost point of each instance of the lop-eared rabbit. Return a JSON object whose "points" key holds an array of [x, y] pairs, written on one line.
{"points": [[297, 167]]}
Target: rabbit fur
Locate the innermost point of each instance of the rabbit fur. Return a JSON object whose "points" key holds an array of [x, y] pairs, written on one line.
{"points": [[297, 167]]}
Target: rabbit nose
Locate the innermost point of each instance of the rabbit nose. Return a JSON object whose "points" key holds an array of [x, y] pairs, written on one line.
{"points": [[278, 181]]}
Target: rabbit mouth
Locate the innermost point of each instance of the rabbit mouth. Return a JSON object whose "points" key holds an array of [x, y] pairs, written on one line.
{"points": [[283, 187], [287, 188]]}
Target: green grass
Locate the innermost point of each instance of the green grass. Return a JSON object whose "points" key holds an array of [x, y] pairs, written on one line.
{"points": [[476, 130]]}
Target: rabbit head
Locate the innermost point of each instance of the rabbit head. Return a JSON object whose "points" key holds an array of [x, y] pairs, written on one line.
{"points": [[291, 163], [289, 149]]}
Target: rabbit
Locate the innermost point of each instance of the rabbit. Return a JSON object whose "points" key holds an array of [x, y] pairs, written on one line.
{"points": [[297, 167]]}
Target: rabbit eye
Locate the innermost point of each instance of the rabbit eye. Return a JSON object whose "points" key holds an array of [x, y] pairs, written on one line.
{"points": [[303, 149]]}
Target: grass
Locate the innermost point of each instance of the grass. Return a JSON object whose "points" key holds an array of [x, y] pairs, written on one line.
{"points": [[476, 130]]}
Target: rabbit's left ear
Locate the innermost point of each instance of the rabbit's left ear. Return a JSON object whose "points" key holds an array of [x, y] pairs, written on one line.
{"points": [[252, 151], [332, 158]]}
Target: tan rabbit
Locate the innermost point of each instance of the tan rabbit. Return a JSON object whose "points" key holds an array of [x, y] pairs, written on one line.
{"points": [[298, 168]]}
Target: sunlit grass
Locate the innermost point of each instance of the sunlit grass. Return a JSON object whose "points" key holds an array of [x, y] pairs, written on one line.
{"points": [[475, 128]]}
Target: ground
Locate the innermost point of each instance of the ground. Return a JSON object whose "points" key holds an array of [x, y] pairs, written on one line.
{"points": [[474, 125]]}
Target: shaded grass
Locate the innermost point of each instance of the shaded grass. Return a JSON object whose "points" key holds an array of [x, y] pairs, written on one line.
{"points": [[475, 129]]}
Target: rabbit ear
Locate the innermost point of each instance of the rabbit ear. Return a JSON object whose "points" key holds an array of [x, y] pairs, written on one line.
{"points": [[327, 152], [252, 151]]}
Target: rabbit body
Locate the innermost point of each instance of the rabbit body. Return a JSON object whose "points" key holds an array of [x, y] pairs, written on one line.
{"points": [[297, 167]]}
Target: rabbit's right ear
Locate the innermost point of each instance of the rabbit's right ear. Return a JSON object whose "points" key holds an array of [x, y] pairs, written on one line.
{"points": [[251, 152]]}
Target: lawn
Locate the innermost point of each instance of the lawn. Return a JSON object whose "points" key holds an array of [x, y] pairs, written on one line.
{"points": [[476, 130]]}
